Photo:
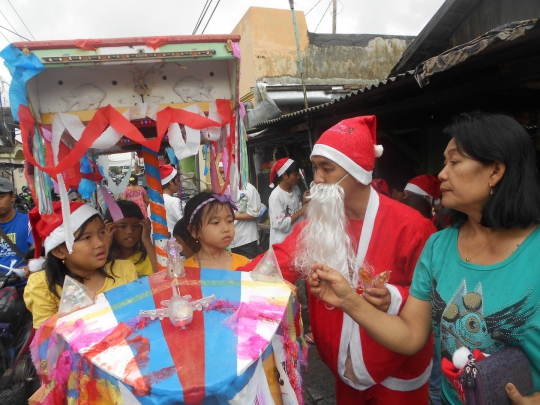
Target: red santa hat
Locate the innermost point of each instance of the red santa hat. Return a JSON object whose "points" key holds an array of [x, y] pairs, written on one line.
{"points": [[167, 173], [279, 168], [426, 185], [50, 231], [381, 186], [352, 144]]}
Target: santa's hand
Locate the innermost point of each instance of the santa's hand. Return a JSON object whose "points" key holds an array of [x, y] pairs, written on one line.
{"points": [[517, 399], [330, 286], [380, 298]]}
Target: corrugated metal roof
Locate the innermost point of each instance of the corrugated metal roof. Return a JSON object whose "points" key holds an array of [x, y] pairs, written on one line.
{"points": [[324, 106]]}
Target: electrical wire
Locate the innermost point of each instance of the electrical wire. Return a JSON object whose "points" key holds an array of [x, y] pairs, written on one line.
{"points": [[14, 33], [27, 29], [203, 13], [209, 18], [9, 42], [327, 8], [11, 25], [313, 7]]}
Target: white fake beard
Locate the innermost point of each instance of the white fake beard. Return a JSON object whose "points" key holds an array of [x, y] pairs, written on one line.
{"points": [[324, 239]]}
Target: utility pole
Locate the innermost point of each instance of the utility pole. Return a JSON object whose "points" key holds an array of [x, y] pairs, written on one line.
{"points": [[334, 15], [300, 67]]}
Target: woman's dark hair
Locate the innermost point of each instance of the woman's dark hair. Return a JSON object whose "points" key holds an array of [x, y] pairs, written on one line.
{"points": [[293, 168], [56, 271], [489, 138], [419, 203], [129, 210], [180, 230], [201, 217], [134, 181]]}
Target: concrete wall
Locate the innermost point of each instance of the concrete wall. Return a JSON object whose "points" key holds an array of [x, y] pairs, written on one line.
{"points": [[268, 44], [363, 62]]}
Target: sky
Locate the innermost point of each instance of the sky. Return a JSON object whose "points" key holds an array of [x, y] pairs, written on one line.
{"points": [[80, 19]]}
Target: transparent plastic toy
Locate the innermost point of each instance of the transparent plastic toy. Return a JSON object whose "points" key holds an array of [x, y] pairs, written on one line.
{"points": [[175, 259], [178, 309], [267, 269], [75, 296]]}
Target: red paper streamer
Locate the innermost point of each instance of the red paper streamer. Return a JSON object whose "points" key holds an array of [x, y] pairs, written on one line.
{"points": [[156, 42], [88, 44]]}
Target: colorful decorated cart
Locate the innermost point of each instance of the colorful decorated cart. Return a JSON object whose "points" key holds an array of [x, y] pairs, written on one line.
{"points": [[79, 101]]}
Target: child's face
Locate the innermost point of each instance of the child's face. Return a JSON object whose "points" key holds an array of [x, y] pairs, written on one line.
{"points": [[217, 229], [90, 250], [128, 232]]}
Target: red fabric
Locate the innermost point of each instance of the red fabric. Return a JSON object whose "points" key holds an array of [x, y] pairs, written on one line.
{"points": [[156, 42], [398, 238], [381, 186], [278, 165], [354, 138], [88, 44]]}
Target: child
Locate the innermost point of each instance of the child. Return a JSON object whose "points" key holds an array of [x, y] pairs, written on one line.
{"points": [[87, 263], [131, 238], [209, 220], [285, 203]]}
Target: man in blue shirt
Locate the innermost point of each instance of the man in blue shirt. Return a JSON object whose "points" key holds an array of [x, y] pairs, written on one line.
{"points": [[15, 224]]}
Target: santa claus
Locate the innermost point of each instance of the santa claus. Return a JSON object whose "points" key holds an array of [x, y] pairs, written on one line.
{"points": [[349, 226]]}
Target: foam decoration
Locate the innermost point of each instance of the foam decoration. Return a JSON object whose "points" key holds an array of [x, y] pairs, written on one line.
{"points": [[114, 209], [75, 296], [108, 116], [268, 268]]}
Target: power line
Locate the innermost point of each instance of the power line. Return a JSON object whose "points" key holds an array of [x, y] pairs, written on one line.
{"points": [[325, 11], [14, 33], [9, 42], [201, 16], [21, 20], [313, 7], [209, 18], [11, 25]]}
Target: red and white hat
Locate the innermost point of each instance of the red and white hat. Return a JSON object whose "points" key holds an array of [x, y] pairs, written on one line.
{"points": [[279, 168], [167, 173], [50, 231], [352, 144], [426, 185]]}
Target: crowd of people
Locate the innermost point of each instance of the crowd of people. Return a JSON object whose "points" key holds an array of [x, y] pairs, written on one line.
{"points": [[453, 244]]}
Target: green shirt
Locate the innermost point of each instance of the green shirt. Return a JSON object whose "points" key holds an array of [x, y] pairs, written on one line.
{"points": [[481, 307]]}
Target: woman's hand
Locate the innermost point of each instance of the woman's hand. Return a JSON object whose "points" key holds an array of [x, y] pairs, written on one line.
{"points": [[517, 399], [380, 298], [146, 235], [110, 227], [330, 286]]}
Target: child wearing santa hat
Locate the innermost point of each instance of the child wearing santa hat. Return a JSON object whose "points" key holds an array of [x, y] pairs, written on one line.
{"points": [[285, 202], [425, 185], [174, 207], [83, 256]]}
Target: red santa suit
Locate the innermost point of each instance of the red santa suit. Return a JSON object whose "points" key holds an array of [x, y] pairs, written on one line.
{"points": [[398, 236]]}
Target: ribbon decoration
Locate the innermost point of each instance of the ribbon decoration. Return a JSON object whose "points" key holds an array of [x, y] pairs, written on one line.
{"points": [[108, 116]]}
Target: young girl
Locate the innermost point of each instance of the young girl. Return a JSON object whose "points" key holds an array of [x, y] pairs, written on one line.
{"points": [[87, 263], [209, 221], [132, 240]]}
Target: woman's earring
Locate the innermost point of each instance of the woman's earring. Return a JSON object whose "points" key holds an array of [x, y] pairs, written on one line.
{"points": [[490, 188]]}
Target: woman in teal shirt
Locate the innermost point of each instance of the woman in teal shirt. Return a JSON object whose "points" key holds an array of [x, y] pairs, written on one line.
{"points": [[477, 283]]}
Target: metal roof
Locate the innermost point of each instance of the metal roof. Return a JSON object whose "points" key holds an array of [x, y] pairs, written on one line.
{"points": [[351, 95]]}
